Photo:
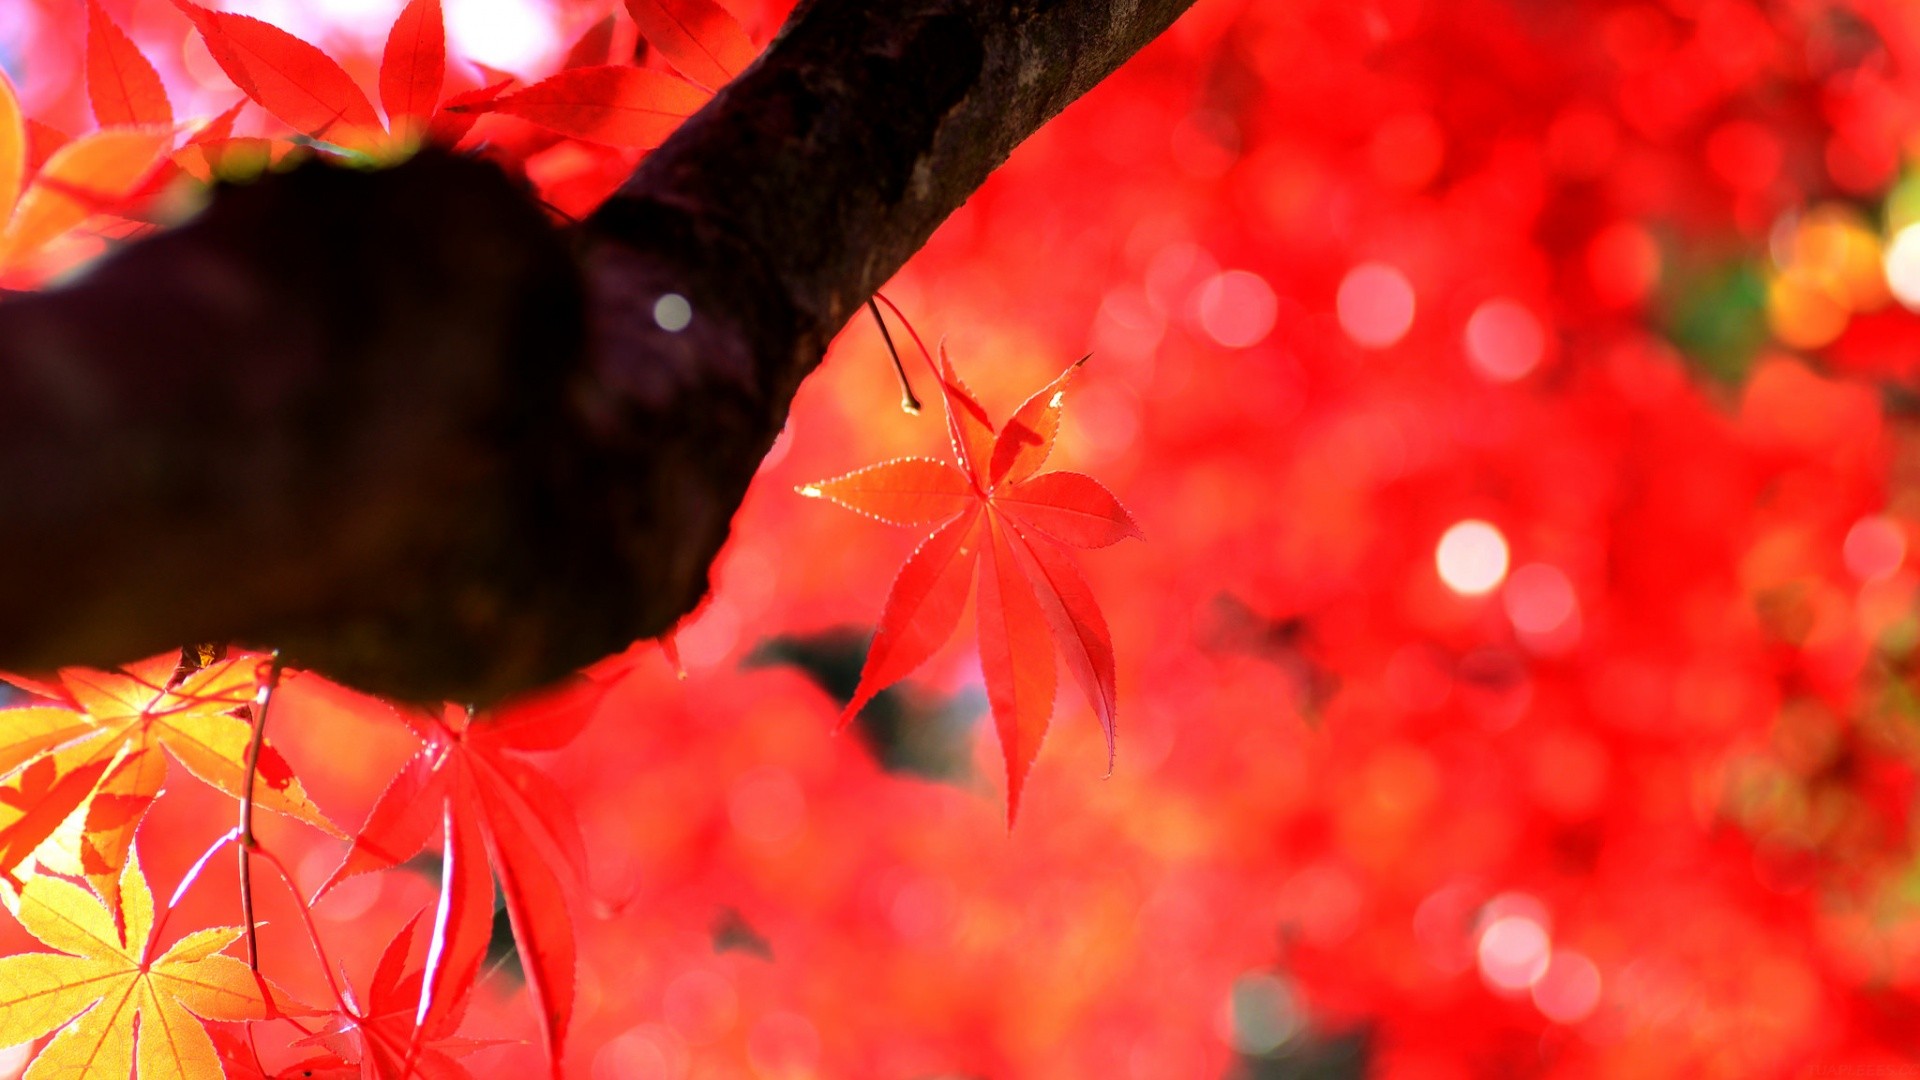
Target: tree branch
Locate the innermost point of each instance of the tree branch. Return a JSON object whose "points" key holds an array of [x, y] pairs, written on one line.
{"points": [[392, 424]]}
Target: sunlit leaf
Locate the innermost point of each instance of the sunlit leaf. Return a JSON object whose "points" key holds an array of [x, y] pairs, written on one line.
{"points": [[1031, 598], [108, 750], [1016, 660], [488, 807], [90, 175], [594, 47], [413, 67], [615, 105], [289, 78], [109, 1000], [1023, 445], [457, 114], [13, 148], [968, 428], [698, 37], [121, 82], [907, 491], [1070, 508]]}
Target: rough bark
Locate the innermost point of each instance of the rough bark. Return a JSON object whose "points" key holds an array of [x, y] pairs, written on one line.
{"points": [[398, 427]]}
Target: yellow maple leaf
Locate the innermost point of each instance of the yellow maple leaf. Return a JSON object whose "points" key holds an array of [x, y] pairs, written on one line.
{"points": [[109, 759], [100, 988]]}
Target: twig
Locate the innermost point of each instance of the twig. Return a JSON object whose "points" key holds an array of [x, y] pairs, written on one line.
{"points": [[313, 929], [907, 401], [915, 334], [187, 882], [248, 844]]}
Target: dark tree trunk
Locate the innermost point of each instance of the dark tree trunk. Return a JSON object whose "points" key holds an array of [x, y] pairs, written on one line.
{"points": [[397, 426]]}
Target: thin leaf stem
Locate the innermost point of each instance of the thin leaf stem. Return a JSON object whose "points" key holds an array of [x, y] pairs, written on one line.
{"points": [[907, 401], [915, 334], [261, 700], [186, 882], [313, 929]]}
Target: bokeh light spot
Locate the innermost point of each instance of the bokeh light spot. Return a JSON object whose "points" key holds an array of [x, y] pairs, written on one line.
{"points": [[1237, 308], [1806, 310], [672, 313], [1375, 305], [1443, 926], [1875, 548], [1902, 264], [701, 1005], [648, 1052], [510, 34], [1471, 558], [1539, 599], [784, 1044], [1569, 990], [1514, 953], [1504, 340], [1265, 1014]]}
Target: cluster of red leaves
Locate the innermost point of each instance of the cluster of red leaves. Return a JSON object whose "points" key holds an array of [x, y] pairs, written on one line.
{"points": [[82, 765], [108, 183]]}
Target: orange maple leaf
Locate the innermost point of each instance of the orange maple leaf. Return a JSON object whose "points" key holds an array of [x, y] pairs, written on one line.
{"points": [[995, 509], [101, 749], [115, 987]]}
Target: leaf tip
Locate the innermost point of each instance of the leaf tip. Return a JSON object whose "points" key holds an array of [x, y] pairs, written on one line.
{"points": [[670, 648], [811, 491]]}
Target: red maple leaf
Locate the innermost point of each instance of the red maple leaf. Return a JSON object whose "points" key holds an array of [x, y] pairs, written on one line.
{"points": [[997, 510], [489, 806]]}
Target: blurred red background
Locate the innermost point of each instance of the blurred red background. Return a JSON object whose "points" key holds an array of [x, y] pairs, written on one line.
{"points": [[1519, 675]]}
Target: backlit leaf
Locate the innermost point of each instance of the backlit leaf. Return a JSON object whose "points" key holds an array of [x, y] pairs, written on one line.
{"points": [[1032, 598], [1016, 660], [13, 148], [615, 105], [91, 174], [413, 67], [109, 1000], [594, 48], [403, 819], [32, 730], [489, 807], [1070, 508], [908, 491], [121, 83], [463, 923], [42, 141], [537, 911], [121, 720], [457, 114], [1079, 630], [1023, 445], [967, 424], [289, 78], [698, 37], [922, 610]]}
